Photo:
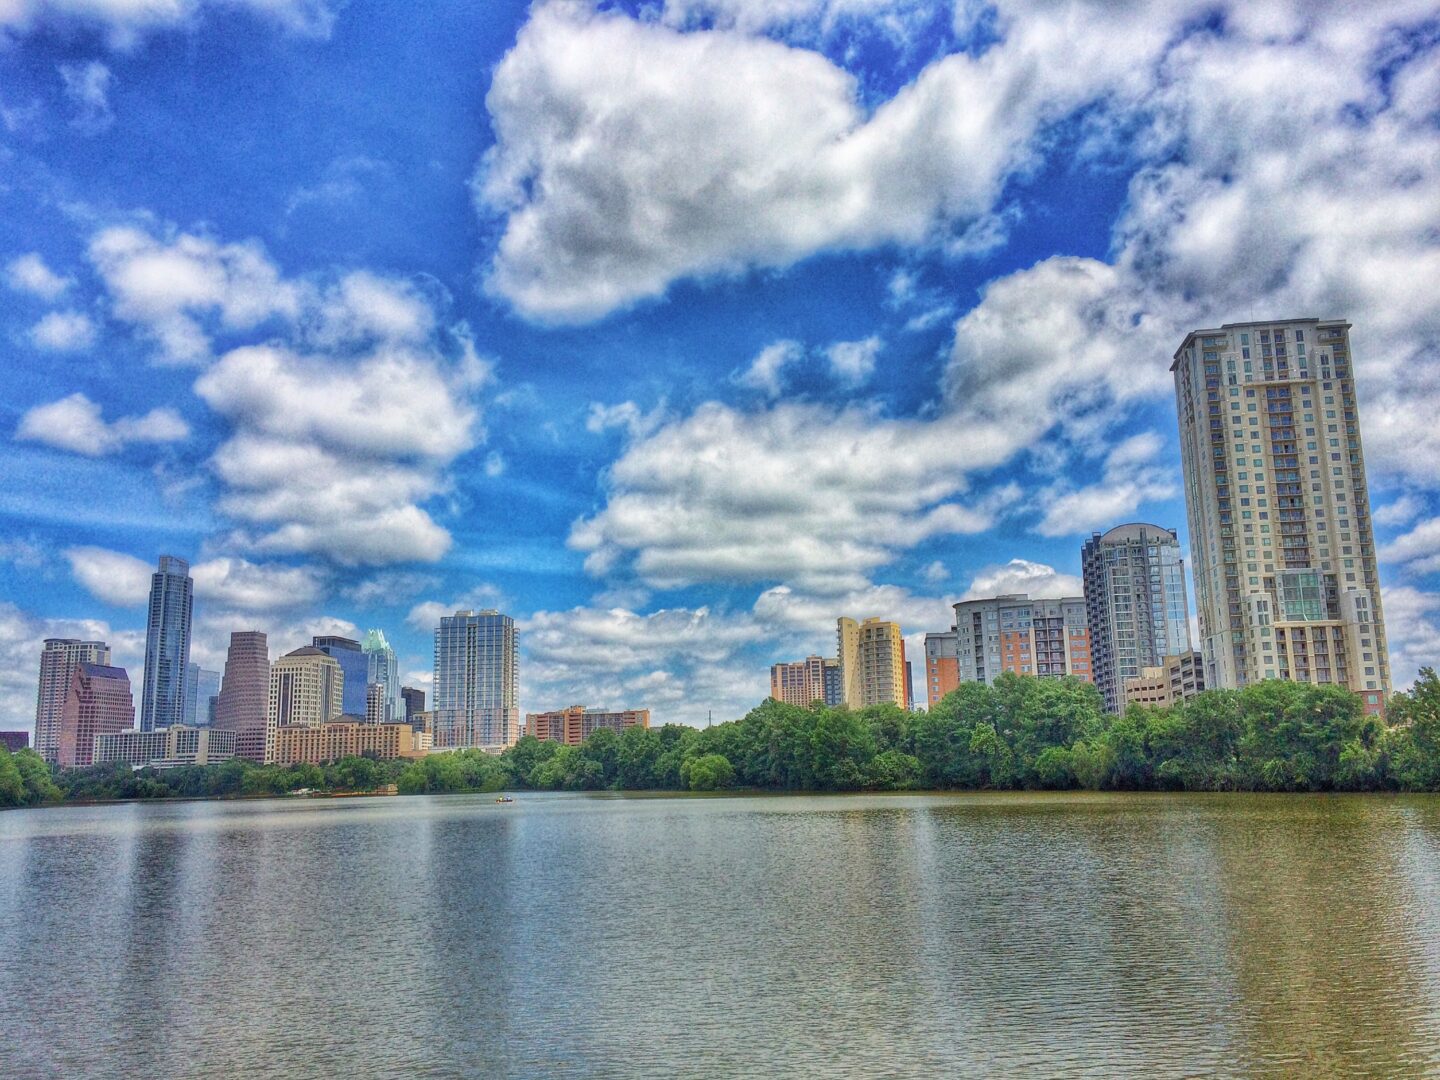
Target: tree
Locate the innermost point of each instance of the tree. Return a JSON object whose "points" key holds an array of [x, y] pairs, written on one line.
{"points": [[709, 772]]}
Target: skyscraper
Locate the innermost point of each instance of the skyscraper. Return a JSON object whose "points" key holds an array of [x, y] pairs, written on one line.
{"points": [[1281, 544], [476, 703], [1135, 604], [306, 690], [58, 660], [201, 686], [1048, 638], [384, 670], [167, 645], [355, 666], [872, 663], [414, 702], [244, 702], [99, 702]]}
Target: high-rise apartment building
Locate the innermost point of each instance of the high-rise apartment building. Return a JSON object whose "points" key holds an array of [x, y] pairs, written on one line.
{"points": [[354, 664], [384, 671], [243, 705], [574, 725], [1281, 544], [1047, 638], [58, 660], [1135, 604], [167, 645], [99, 702], [872, 662], [942, 667], [475, 698], [802, 682]]}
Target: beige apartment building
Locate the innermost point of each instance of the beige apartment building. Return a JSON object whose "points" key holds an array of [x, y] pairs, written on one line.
{"points": [[316, 744], [871, 656], [1012, 632], [1282, 547], [804, 682]]}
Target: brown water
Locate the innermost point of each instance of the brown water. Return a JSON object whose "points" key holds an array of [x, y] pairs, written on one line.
{"points": [[979, 935]]}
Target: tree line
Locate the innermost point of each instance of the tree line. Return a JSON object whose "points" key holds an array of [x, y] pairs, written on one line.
{"points": [[1023, 733]]}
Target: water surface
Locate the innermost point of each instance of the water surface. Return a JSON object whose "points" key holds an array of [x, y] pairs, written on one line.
{"points": [[979, 935]]}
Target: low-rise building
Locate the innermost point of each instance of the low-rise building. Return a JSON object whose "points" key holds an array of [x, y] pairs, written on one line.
{"points": [[1186, 674], [574, 725], [166, 748], [15, 740], [1150, 687], [942, 666], [316, 744]]}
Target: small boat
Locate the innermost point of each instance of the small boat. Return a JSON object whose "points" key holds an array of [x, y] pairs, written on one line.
{"points": [[505, 798]]}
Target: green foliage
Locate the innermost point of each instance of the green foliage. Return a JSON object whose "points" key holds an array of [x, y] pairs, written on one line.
{"points": [[1022, 733]]}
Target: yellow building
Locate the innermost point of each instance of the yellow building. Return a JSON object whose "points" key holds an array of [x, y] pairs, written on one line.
{"points": [[315, 744], [872, 663]]}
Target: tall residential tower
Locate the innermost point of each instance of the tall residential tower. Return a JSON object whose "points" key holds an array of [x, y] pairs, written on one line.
{"points": [[1135, 604], [1281, 544], [872, 663], [475, 698], [167, 645]]}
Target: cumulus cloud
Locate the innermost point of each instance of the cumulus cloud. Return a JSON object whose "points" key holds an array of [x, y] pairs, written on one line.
{"points": [[29, 273], [75, 423], [1136, 471], [1022, 576], [1418, 549], [1412, 631], [64, 331], [228, 583], [629, 155], [766, 372], [124, 23], [853, 362]]}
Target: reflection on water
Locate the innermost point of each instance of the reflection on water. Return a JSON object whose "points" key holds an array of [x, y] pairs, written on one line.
{"points": [[604, 936]]}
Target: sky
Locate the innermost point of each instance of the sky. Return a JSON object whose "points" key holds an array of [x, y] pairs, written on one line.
{"points": [[674, 329]]}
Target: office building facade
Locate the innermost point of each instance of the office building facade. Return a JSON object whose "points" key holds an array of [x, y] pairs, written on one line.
{"points": [[354, 665], [201, 688], [243, 704], [1281, 540], [166, 748], [59, 658], [475, 692], [1135, 604], [99, 702], [167, 645], [306, 690], [1045, 638], [384, 671], [414, 701]]}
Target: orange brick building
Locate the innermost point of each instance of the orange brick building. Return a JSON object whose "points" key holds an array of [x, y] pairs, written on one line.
{"points": [[574, 725]]}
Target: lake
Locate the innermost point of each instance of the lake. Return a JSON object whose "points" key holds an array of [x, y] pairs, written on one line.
{"points": [[869, 936]]}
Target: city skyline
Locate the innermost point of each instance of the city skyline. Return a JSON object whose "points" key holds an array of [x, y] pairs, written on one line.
{"points": [[379, 368]]}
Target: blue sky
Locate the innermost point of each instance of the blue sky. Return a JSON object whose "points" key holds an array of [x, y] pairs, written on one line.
{"points": [[673, 329]]}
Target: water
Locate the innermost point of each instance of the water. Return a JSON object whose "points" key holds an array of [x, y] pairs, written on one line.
{"points": [[981, 935]]}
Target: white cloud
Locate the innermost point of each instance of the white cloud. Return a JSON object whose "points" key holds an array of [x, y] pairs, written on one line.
{"points": [[389, 587], [766, 372], [1402, 511], [28, 273], [228, 584], [853, 362], [1136, 471], [1022, 576], [171, 287], [64, 331], [1412, 631], [494, 464], [88, 88], [627, 415], [75, 423], [1419, 549], [124, 23], [629, 155], [111, 576], [935, 573], [424, 617]]}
